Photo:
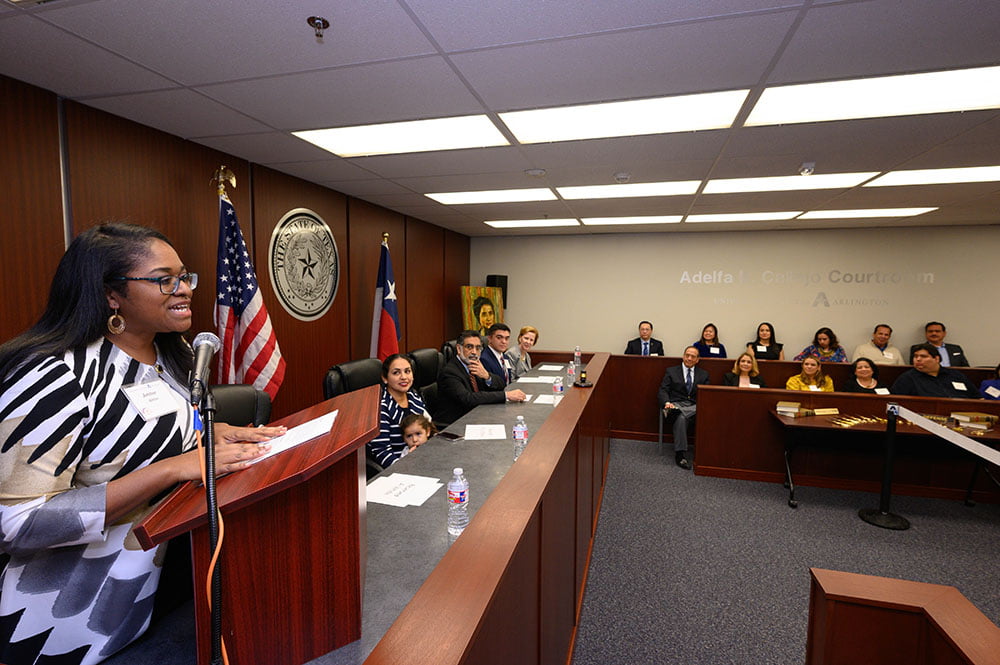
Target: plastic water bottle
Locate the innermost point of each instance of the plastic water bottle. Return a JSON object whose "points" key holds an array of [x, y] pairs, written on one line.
{"points": [[577, 359], [520, 437], [557, 386], [458, 503], [571, 371]]}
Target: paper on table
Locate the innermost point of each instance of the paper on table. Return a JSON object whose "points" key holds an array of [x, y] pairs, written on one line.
{"points": [[300, 434], [536, 379], [548, 399], [550, 368], [485, 432], [402, 489]]}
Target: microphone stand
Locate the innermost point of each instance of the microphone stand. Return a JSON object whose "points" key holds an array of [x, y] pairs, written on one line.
{"points": [[207, 411]]}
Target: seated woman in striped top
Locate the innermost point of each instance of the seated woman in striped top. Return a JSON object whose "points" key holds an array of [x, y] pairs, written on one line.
{"points": [[399, 400]]}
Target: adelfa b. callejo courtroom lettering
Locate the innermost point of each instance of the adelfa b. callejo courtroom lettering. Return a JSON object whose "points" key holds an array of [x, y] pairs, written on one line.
{"points": [[304, 264], [832, 276]]}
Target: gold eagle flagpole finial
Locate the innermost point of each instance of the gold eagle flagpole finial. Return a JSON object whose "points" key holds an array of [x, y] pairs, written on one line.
{"points": [[222, 175], [385, 237]]}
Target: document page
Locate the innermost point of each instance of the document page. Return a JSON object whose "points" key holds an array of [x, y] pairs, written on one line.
{"points": [[402, 489], [300, 434], [485, 432]]}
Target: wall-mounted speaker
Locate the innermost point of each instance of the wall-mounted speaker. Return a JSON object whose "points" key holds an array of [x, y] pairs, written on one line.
{"points": [[501, 281]]}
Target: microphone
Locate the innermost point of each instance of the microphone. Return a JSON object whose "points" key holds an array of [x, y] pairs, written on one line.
{"points": [[205, 345]]}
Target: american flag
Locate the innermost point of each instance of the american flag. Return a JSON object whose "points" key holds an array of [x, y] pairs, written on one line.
{"points": [[385, 317], [250, 352]]}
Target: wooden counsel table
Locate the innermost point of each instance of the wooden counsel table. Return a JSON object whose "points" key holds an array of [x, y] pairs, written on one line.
{"points": [[839, 433], [738, 436], [509, 589]]}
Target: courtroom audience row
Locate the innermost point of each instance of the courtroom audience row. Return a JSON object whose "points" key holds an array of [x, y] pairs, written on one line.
{"points": [[825, 346]]}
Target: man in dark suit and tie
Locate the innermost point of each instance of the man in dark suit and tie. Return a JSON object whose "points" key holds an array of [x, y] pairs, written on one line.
{"points": [[495, 358], [677, 397], [952, 355], [465, 384], [644, 344]]}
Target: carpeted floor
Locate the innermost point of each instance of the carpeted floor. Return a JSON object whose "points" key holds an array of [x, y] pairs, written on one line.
{"points": [[694, 570]]}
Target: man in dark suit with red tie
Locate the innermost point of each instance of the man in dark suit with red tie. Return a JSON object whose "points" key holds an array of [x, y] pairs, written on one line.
{"points": [[677, 397], [465, 384], [644, 344]]}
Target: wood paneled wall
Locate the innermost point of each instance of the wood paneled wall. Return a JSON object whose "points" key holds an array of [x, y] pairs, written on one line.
{"points": [[31, 223], [309, 347], [123, 171], [120, 170]]}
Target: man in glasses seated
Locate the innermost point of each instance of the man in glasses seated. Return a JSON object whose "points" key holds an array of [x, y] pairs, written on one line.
{"points": [[464, 382]]}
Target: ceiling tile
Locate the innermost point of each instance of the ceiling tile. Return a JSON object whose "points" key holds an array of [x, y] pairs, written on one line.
{"points": [[465, 24], [365, 94], [266, 148], [890, 36], [716, 55], [40, 54], [446, 162], [180, 112], [232, 39]]}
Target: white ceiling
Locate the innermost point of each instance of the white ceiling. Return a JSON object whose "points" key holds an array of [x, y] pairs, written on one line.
{"points": [[239, 75]]}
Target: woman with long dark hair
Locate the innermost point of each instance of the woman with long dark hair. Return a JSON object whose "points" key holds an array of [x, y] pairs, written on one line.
{"points": [[95, 425], [399, 399], [765, 346]]}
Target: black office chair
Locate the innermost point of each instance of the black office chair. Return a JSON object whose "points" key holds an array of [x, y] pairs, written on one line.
{"points": [[352, 375], [241, 404], [448, 351], [427, 364]]}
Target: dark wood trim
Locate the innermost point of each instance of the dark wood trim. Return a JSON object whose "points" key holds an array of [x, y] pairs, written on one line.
{"points": [[866, 619]]}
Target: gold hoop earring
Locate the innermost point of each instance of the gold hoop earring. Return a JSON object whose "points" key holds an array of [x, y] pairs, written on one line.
{"points": [[116, 323]]}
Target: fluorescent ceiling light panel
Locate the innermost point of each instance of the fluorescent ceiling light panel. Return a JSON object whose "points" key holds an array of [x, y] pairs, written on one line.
{"points": [[636, 117], [647, 219], [937, 176], [873, 212], [494, 196], [632, 190], [744, 217], [470, 131], [787, 183], [530, 223], [879, 97]]}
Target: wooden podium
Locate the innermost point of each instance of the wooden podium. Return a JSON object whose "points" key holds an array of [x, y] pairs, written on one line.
{"points": [[293, 547]]}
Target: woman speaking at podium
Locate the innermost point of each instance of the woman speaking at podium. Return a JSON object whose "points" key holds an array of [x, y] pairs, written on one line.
{"points": [[95, 425]]}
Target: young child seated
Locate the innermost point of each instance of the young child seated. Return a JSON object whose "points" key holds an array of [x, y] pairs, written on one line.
{"points": [[416, 429]]}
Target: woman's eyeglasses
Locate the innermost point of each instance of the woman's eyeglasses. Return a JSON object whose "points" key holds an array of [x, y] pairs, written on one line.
{"points": [[168, 283]]}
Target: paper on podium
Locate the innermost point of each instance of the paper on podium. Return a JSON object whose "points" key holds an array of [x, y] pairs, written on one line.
{"points": [[402, 489], [300, 434]]}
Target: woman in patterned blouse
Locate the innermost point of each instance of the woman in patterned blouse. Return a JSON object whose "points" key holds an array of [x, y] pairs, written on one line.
{"points": [[825, 348], [84, 453]]}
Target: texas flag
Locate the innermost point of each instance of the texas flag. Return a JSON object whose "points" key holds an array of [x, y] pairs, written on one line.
{"points": [[385, 317]]}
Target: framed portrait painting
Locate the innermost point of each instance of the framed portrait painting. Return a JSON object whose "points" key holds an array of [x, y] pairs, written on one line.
{"points": [[482, 306]]}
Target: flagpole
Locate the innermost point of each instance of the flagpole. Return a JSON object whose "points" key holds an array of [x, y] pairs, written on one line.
{"points": [[221, 176]]}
